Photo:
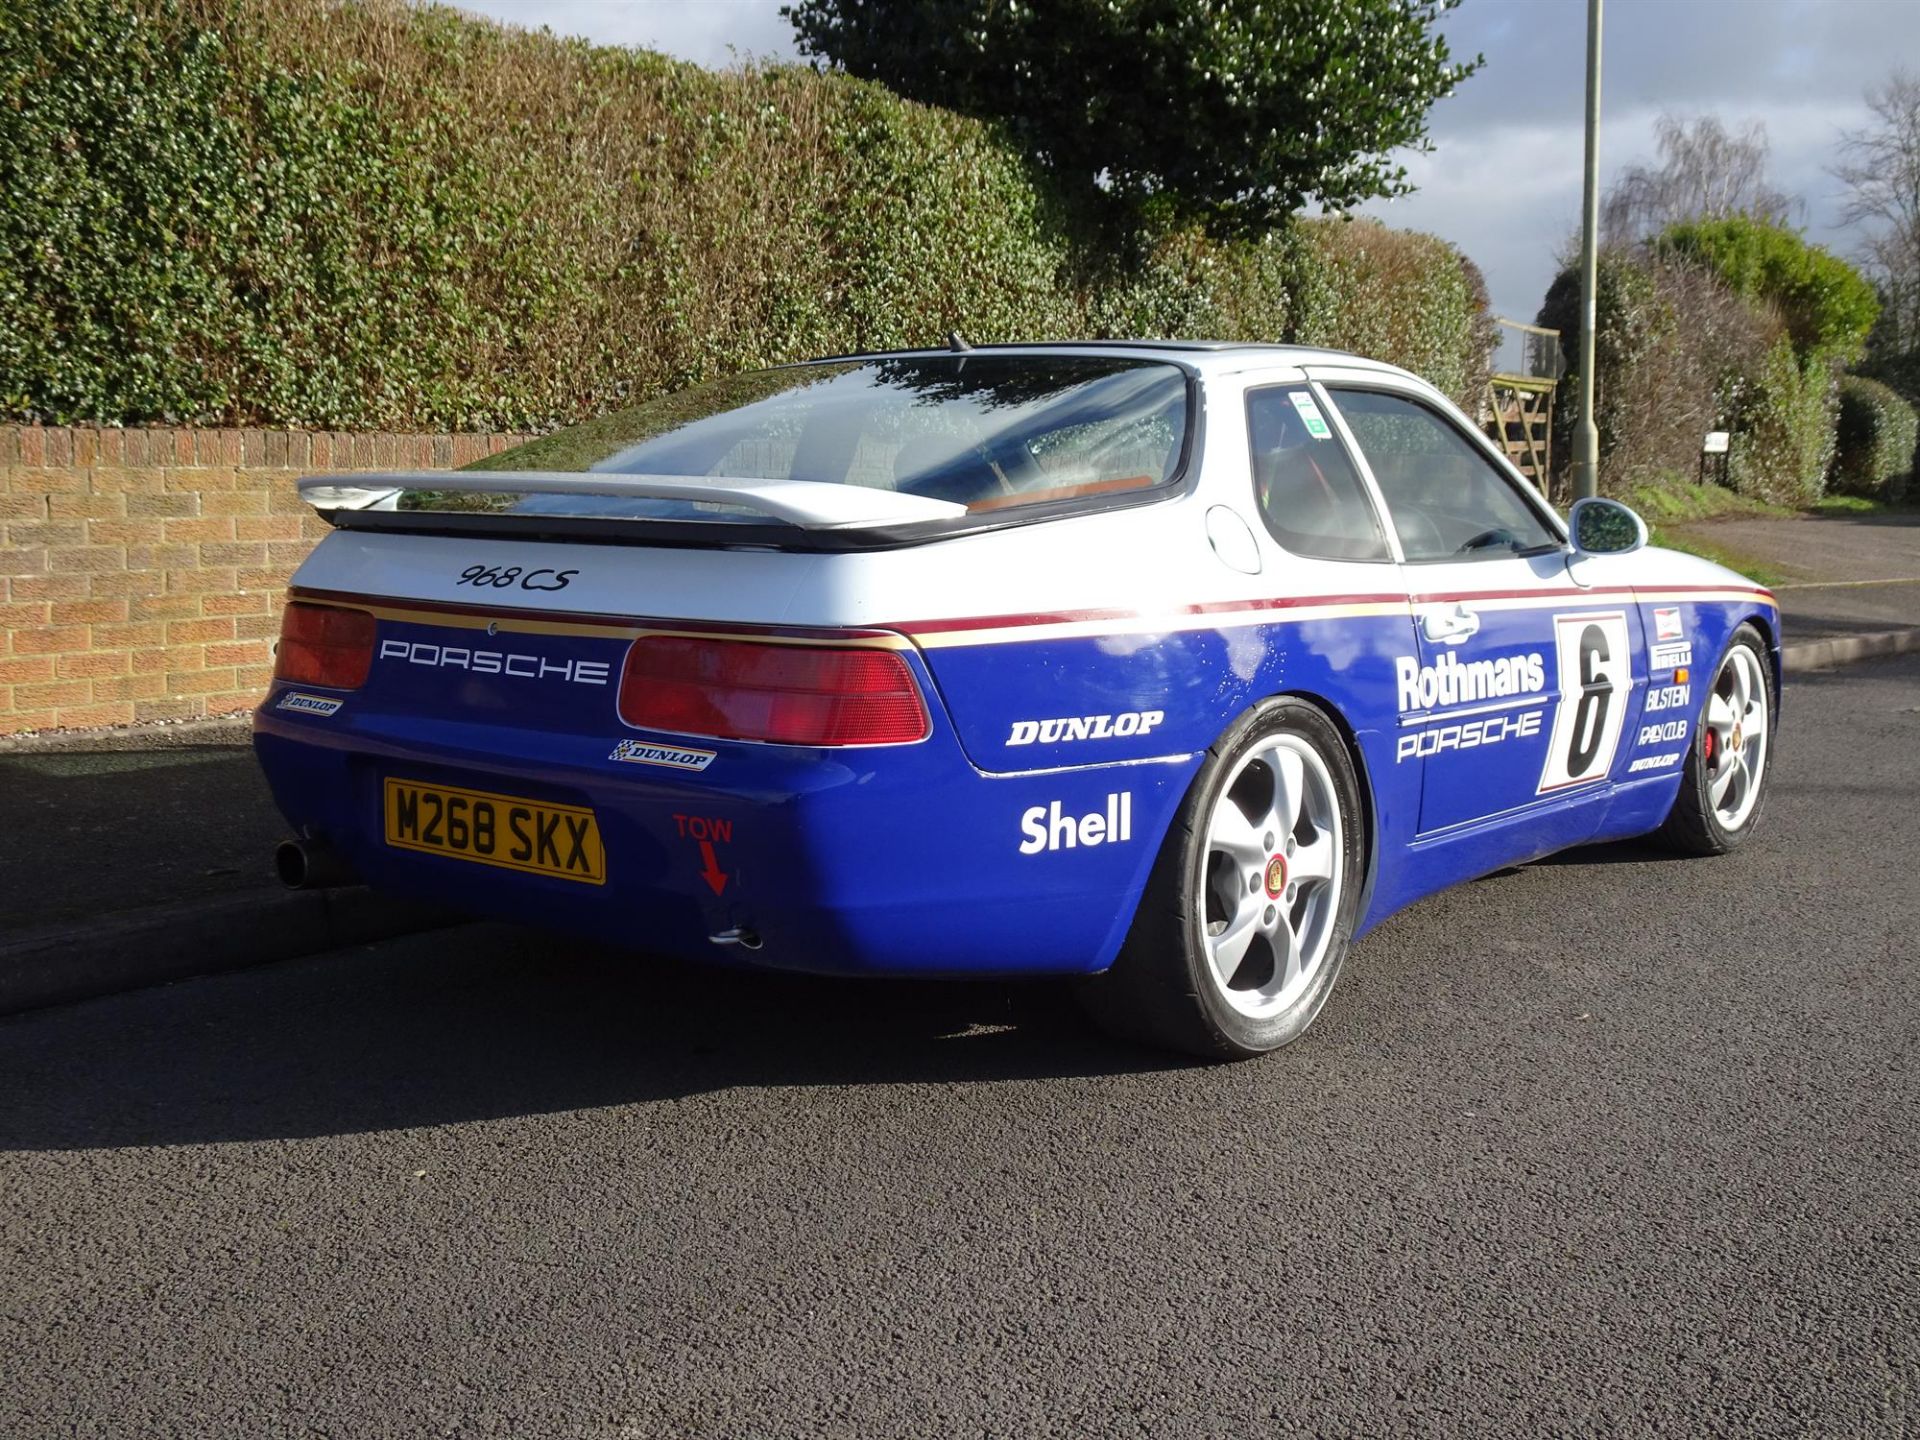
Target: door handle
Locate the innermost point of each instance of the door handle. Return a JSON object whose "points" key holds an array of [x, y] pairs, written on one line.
{"points": [[1450, 627]]}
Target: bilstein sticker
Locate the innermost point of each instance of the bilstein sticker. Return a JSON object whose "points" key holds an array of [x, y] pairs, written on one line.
{"points": [[1668, 697]]}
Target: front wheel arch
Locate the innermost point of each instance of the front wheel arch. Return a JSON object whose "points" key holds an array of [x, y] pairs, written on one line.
{"points": [[1694, 824]]}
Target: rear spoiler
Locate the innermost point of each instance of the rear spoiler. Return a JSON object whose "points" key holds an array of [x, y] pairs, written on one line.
{"points": [[807, 504]]}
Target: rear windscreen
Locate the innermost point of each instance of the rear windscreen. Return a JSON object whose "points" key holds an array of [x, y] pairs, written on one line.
{"points": [[989, 432]]}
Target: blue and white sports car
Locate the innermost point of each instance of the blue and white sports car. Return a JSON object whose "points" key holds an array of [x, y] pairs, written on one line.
{"points": [[1173, 666]]}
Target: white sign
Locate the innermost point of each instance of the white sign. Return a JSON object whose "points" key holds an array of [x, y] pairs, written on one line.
{"points": [[1716, 443], [1310, 414]]}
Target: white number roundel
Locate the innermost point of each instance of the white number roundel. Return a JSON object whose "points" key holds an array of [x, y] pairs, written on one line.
{"points": [[1596, 672]]}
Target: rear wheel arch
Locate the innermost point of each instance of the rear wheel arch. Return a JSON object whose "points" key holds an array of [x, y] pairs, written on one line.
{"points": [[1207, 967]]}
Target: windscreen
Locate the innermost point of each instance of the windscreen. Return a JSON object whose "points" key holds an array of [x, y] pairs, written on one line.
{"points": [[989, 432]]}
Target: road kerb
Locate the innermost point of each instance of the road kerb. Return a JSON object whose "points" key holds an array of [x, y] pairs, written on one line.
{"points": [[1846, 649], [78, 960]]}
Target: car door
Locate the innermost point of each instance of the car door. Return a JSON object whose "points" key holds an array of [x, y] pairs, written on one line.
{"points": [[1520, 686]]}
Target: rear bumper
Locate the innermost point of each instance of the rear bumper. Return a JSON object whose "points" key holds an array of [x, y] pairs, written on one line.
{"points": [[894, 860]]}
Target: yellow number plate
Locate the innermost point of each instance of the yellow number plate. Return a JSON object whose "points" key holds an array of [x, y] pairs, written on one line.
{"points": [[503, 830]]}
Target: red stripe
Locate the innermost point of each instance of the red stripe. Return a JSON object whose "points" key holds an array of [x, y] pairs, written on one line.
{"points": [[1576, 597], [1073, 617], [1070, 617]]}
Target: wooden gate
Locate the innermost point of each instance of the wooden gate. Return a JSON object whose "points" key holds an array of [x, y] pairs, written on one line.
{"points": [[1519, 403]]}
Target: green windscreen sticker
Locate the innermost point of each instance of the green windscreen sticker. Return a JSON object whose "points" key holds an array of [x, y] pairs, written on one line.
{"points": [[1310, 414]]}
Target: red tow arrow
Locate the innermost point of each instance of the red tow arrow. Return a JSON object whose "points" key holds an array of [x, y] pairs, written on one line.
{"points": [[711, 872]]}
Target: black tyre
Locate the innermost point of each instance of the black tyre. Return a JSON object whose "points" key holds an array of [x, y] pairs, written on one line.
{"points": [[1723, 788], [1251, 906]]}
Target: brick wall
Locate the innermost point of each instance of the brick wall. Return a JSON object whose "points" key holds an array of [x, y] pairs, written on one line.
{"points": [[142, 571]]}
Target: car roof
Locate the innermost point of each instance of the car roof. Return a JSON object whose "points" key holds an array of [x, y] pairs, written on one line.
{"points": [[1207, 356]]}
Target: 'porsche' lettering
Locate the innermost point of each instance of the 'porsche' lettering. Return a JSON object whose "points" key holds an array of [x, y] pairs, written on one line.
{"points": [[496, 662], [1468, 735]]}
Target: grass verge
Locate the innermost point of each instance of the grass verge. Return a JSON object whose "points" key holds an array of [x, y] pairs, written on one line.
{"points": [[1842, 505], [1672, 500], [1758, 571]]}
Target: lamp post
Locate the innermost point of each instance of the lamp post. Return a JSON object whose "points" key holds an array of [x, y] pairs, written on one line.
{"points": [[1586, 442]]}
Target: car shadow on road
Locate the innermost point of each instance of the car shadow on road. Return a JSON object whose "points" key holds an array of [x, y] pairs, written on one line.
{"points": [[1613, 852], [486, 1022]]}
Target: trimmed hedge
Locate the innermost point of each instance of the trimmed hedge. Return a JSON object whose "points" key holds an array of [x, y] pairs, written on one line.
{"points": [[1782, 418], [1679, 352], [1878, 441], [1829, 306], [365, 215]]}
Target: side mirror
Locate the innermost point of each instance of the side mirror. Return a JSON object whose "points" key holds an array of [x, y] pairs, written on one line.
{"points": [[1604, 527]]}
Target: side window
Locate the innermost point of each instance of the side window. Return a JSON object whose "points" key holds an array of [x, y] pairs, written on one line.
{"points": [[1446, 500], [1305, 487]]}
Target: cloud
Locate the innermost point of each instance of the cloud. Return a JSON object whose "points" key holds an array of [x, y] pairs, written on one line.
{"points": [[1503, 183], [1723, 55], [1509, 197]]}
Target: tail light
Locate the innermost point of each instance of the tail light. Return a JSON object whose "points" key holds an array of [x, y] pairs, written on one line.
{"points": [[786, 694], [324, 645]]}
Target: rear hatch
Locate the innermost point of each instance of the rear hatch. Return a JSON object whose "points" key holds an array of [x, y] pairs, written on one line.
{"points": [[459, 697], [534, 637]]}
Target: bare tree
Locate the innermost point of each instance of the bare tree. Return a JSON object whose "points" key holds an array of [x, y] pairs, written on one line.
{"points": [[1706, 172], [1880, 166]]}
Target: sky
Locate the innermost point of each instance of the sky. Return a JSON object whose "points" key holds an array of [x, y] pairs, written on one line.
{"points": [[1503, 181]]}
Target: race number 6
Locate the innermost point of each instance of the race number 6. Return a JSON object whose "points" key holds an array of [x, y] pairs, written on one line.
{"points": [[1595, 658]]}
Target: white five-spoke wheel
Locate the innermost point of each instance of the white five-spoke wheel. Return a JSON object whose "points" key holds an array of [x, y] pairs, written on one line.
{"points": [[1254, 895], [1724, 783], [1734, 738], [1274, 865]]}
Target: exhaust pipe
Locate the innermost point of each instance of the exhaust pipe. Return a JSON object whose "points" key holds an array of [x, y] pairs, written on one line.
{"points": [[311, 865]]}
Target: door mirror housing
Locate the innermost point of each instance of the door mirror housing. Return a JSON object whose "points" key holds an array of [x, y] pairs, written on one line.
{"points": [[1604, 527]]}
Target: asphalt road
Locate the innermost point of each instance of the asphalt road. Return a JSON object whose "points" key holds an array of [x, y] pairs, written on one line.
{"points": [[1848, 575], [1615, 1145]]}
